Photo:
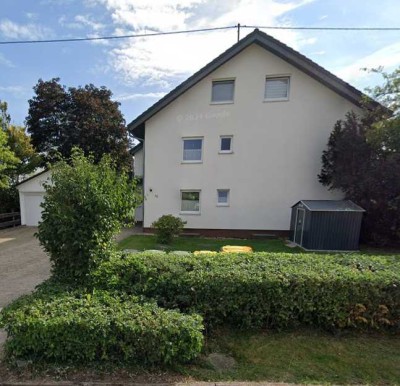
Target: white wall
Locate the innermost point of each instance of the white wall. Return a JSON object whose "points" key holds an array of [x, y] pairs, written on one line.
{"points": [[31, 193], [277, 147]]}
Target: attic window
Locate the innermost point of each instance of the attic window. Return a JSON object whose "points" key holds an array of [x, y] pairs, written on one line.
{"points": [[277, 88], [222, 91]]}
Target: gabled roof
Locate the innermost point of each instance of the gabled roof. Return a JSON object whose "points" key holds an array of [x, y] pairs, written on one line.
{"points": [[330, 206], [270, 44], [135, 149], [32, 177]]}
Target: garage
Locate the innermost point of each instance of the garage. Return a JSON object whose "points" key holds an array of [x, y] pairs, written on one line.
{"points": [[31, 195]]}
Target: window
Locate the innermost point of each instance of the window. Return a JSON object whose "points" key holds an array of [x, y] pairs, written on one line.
{"points": [[190, 201], [225, 144], [277, 89], [192, 149], [222, 91], [223, 197]]}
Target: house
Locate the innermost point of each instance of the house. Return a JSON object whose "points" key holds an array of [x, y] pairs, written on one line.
{"points": [[31, 195], [233, 147]]}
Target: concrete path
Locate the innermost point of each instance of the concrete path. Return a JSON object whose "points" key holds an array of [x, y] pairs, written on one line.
{"points": [[23, 265]]}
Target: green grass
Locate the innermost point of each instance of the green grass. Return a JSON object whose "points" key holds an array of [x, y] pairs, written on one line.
{"points": [[143, 242], [303, 357]]}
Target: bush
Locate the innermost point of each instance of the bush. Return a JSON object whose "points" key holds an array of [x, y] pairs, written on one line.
{"points": [[85, 206], [265, 290], [80, 328], [166, 227]]}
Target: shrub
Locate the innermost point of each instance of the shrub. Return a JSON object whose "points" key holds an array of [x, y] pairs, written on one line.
{"points": [[166, 227], [79, 328], [85, 206], [265, 290]]}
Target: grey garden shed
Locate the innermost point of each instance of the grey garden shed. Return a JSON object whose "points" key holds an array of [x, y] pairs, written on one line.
{"points": [[326, 225]]}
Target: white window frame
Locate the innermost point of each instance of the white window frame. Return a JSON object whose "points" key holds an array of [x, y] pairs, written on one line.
{"points": [[183, 150], [228, 197], [275, 77], [220, 151], [190, 212], [223, 80]]}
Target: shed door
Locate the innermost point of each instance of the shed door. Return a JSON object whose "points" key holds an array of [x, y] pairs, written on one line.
{"points": [[33, 211], [298, 230]]}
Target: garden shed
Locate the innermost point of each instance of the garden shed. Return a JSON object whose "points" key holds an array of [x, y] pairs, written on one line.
{"points": [[325, 225], [31, 195]]}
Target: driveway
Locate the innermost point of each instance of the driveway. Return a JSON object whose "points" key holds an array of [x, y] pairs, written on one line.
{"points": [[23, 265]]}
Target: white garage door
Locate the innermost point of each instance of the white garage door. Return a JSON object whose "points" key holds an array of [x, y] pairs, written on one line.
{"points": [[33, 211]]}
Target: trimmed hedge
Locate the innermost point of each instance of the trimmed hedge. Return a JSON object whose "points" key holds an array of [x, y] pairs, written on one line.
{"points": [[81, 328], [265, 289]]}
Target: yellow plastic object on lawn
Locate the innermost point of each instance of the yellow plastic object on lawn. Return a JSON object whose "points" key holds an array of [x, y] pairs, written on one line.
{"points": [[236, 249], [204, 252]]}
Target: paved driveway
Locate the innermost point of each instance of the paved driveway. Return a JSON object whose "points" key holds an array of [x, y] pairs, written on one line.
{"points": [[23, 264]]}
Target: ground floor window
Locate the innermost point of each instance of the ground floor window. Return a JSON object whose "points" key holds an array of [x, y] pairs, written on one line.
{"points": [[190, 201], [223, 197]]}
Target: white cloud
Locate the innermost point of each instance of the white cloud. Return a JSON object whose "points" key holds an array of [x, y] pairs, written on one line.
{"points": [[147, 95], [5, 62], [17, 91], [12, 30], [165, 60], [388, 56], [80, 22]]}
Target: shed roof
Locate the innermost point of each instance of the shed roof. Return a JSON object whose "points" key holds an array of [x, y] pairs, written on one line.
{"points": [[330, 206], [270, 44]]}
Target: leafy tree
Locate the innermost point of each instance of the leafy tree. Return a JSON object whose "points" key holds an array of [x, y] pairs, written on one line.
{"points": [[60, 119], [8, 160], [363, 160], [21, 145], [24, 160], [85, 205]]}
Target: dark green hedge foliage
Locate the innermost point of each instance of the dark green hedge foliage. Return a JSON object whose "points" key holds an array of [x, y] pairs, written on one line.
{"points": [[265, 290], [58, 326]]}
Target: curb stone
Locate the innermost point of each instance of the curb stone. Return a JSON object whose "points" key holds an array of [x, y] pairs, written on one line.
{"points": [[145, 384]]}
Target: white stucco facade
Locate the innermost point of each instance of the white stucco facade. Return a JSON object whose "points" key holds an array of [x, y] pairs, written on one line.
{"points": [[277, 147], [31, 195]]}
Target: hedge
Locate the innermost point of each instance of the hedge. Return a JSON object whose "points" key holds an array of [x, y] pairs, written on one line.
{"points": [[265, 289], [82, 328]]}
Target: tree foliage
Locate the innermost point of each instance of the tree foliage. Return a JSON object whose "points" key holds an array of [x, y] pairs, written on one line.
{"points": [[61, 118], [85, 205], [363, 160]]}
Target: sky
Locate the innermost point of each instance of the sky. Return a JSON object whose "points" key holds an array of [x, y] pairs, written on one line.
{"points": [[139, 71]]}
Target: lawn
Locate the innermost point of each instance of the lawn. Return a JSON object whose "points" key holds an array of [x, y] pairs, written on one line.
{"points": [[184, 243], [143, 242], [303, 357]]}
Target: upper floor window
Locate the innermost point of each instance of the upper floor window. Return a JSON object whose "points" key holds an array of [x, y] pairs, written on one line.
{"points": [[276, 88], [192, 149], [222, 91], [225, 144]]}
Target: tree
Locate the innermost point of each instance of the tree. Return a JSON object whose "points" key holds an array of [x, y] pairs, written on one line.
{"points": [[8, 160], [85, 205], [60, 119], [22, 160], [363, 160]]}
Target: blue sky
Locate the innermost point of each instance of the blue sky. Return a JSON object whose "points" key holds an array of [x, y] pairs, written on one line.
{"points": [[140, 71]]}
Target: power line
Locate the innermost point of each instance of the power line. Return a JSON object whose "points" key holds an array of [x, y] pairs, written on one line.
{"points": [[327, 28], [238, 26], [116, 37]]}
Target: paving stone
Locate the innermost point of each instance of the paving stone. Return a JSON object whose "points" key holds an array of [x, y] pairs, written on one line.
{"points": [[221, 362], [181, 253]]}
